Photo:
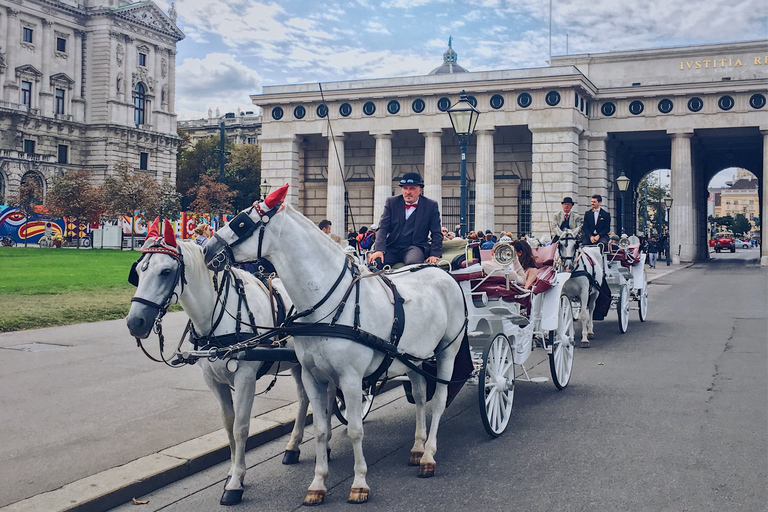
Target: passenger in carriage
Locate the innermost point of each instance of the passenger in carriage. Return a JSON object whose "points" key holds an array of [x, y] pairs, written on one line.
{"points": [[409, 230], [527, 263]]}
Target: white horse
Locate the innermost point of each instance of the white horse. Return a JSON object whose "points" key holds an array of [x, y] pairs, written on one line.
{"points": [[586, 267], [233, 389], [309, 264]]}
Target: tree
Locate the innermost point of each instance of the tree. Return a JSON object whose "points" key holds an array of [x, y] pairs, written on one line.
{"points": [[243, 174], [194, 159], [72, 196], [722, 223], [168, 204], [210, 197], [655, 205], [741, 226], [27, 197], [128, 191]]}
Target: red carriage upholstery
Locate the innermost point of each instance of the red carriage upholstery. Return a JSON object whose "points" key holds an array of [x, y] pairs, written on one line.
{"points": [[545, 256], [544, 278], [628, 258], [470, 273]]}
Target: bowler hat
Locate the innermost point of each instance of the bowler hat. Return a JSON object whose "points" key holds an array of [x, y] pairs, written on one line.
{"points": [[567, 199], [411, 178]]}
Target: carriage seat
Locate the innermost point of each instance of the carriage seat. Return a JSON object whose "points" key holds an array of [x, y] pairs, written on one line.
{"points": [[545, 256], [469, 273], [544, 278], [629, 257]]}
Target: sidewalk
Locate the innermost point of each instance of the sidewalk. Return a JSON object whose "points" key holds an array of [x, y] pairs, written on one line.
{"points": [[131, 428]]}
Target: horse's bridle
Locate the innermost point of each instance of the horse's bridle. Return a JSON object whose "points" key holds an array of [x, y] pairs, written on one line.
{"points": [[568, 267], [243, 226], [157, 246]]}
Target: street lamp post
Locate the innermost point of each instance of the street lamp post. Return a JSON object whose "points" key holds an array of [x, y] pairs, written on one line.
{"points": [[668, 204], [623, 184], [464, 119], [264, 188]]}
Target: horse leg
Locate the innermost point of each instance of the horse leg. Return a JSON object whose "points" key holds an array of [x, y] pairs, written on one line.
{"points": [[318, 397], [292, 451], [351, 387], [419, 391], [244, 384], [444, 371], [585, 317]]}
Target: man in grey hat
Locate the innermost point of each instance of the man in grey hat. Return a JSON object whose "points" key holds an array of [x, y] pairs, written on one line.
{"points": [[409, 229], [566, 219]]}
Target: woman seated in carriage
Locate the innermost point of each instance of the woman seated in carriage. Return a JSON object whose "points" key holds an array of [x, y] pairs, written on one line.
{"points": [[523, 268]]}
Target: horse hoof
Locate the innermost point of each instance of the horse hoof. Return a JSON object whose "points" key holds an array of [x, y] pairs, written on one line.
{"points": [[427, 470], [291, 457], [359, 495], [231, 497], [584, 344], [415, 458], [314, 498]]}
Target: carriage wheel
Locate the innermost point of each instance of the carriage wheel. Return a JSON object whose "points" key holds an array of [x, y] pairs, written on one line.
{"points": [[496, 389], [340, 407], [622, 308], [561, 340], [643, 310]]}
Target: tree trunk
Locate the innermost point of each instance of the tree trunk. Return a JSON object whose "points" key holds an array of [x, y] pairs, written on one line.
{"points": [[26, 219]]}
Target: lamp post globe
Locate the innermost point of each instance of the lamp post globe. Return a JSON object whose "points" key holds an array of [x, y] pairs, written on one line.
{"points": [[464, 117], [264, 188]]}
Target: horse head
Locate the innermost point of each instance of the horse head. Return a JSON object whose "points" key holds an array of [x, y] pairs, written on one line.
{"points": [[235, 240], [158, 275], [567, 250]]}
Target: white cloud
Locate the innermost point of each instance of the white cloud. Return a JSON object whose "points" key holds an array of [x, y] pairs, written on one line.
{"points": [[376, 28]]}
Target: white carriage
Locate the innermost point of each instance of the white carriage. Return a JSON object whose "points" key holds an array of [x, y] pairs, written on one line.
{"points": [[625, 275], [506, 322]]}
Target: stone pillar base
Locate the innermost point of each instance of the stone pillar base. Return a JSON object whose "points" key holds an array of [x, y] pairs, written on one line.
{"points": [[764, 261]]}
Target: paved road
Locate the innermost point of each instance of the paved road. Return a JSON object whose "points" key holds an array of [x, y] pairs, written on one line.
{"points": [[93, 401], [670, 416]]}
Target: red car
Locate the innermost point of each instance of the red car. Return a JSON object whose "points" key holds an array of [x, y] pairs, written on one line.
{"points": [[725, 241]]}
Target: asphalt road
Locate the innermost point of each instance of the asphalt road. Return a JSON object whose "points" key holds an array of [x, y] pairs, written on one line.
{"points": [[671, 416]]}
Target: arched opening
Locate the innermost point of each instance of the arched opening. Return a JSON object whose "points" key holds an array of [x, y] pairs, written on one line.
{"points": [[650, 215], [33, 186], [139, 104], [733, 212]]}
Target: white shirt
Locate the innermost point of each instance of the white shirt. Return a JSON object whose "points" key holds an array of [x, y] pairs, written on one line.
{"points": [[409, 211]]}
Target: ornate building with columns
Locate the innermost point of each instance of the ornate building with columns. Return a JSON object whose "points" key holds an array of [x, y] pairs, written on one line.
{"points": [[569, 129], [85, 84]]}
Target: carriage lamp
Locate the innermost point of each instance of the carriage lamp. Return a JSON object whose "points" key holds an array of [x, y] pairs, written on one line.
{"points": [[668, 204], [264, 188], [623, 183], [464, 117]]}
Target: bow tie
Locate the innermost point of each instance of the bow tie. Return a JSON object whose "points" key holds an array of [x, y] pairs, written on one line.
{"points": [[409, 206]]}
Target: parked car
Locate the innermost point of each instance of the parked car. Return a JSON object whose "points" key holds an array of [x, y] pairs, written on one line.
{"points": [[742, 243]]}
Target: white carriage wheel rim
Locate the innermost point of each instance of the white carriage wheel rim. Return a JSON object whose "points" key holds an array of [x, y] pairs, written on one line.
{"points": [[562, 346], [624, 305], [644, 301], [498, 404]]}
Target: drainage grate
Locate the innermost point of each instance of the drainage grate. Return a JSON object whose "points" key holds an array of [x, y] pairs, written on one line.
{"points": [[37, 347]]}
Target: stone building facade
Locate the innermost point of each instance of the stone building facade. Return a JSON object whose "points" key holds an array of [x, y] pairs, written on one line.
{"points": [[569, 129], [240, 127], [85, 84]]}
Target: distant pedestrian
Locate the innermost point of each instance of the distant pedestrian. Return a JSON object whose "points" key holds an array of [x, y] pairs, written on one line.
{"points": [[653, 250]]}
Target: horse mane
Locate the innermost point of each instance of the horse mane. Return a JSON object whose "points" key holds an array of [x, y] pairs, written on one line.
{"points": [[194, 261]]}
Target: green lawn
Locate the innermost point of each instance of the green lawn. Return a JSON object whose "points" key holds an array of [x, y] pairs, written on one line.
{"points": [[49, 287]]}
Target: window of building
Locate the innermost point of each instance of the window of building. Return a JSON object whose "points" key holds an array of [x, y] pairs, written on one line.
{"points": [[29, 146], [727, 202], [26, 93], [27, 35], [139, 104], [251, 140], [751, 201], [61, 44], [524, 202], [63, 154], [142, 59], [59, 101], [144, 161]]}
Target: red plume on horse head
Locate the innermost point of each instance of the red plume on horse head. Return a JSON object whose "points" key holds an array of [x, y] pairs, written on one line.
{"points": [[276, 197], [169, 235], [154, 229]]}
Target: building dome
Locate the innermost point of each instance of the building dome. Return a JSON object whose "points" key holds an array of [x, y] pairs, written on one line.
{"points": [[449, 62]]}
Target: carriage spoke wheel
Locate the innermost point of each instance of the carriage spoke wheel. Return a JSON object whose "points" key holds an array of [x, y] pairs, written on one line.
{"points": [[561, 340], [496, 388], [622, 308], [340, 407], [643, 302]]}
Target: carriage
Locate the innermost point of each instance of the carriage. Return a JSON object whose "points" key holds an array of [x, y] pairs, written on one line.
{"points": [[624, 268], [506, 323]]}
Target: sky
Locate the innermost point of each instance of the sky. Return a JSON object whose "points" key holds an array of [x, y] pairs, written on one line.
{"points": [[235, 47]]}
